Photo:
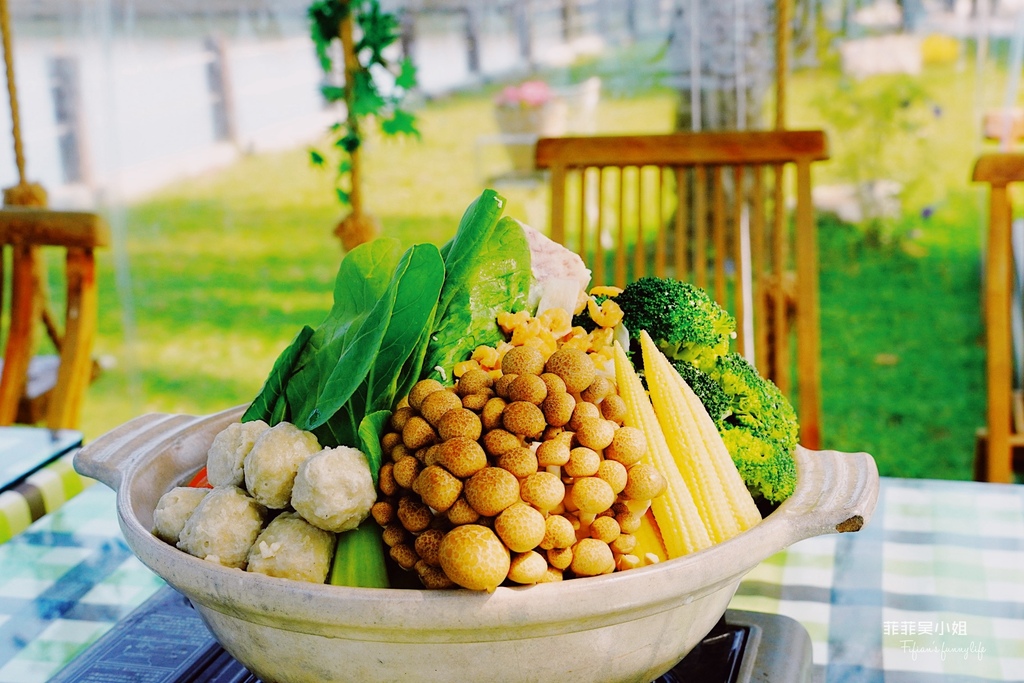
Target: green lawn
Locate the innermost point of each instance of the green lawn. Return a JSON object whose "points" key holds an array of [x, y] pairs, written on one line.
{"points": [[224, 269]]}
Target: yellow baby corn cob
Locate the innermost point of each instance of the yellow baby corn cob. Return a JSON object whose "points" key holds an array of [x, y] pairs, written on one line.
{"points": [[740, 500], [681, 527], [722, 498], [648, 539]]}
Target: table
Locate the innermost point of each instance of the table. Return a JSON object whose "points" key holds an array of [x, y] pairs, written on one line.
{"points": [[36, 474], [931, 590]]}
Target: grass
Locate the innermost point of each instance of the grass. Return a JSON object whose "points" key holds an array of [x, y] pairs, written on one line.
{"points": [[212, 277]]}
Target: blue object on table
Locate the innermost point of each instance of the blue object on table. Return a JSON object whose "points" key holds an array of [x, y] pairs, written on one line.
{"points": [[163, 641], [24, 450]]}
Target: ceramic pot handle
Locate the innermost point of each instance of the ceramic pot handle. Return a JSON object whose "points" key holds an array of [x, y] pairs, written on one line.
{"points": [[836, 492], [111, 455]]}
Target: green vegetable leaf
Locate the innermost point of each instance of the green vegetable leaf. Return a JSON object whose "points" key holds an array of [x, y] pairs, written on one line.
{"points": [[363, 279], [419, 280], [371, 428], [264, 406], [414, 365], [410, 302], [488, 271]]}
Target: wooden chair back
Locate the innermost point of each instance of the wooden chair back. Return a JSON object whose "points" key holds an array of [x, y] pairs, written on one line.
{"points": [[710, 208], [36, 387], [1005, 408]]}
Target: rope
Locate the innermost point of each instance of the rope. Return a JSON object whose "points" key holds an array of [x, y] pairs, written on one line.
{"points": [[24, 193], [12, 91]]}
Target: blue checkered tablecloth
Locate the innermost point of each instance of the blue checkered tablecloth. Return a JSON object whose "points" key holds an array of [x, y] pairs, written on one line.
{"points": [[931, 590], [63, 583]]}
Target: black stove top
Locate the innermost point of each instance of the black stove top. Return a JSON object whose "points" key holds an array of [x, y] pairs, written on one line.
{"points": [[165, 641]]}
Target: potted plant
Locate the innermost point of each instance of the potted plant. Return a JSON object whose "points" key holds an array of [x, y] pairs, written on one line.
{"points": [[524, 113]]}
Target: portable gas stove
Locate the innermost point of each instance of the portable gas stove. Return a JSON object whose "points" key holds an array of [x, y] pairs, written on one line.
{"points": [[165, 641]]}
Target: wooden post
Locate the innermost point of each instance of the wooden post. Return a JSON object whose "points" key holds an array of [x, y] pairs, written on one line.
{"points": [[998, 360], [358, 227], [782, 34], [807, 322]]}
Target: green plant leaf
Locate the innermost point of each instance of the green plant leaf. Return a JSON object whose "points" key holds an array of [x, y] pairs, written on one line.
{"points": [[407, 78], [316, 158], [401, 122], [325, 19], [368, 100], [332, 93], [349, 142], [379, 29]]}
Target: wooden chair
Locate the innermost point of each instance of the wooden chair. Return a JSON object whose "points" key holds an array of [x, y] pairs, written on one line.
{"points": [[699, 207], [48, 388], [1004, 431]]}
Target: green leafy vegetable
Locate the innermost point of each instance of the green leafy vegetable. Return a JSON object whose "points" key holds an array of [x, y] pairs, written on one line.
{"points": [[270, 401], [397, 318], [488, 271], [359, 558], [392, 338], [371, 428], [353, 363]]}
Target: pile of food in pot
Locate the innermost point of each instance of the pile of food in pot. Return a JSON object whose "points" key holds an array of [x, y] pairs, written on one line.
{"points": [[482, 415]]}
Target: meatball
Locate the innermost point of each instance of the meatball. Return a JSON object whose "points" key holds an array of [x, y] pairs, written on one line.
{"points": [[271, 465], [227, 453], [223, 527], [334, 489], [173, 510], [292, 548]]}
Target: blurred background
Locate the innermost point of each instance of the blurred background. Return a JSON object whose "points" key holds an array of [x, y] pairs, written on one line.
{"points": [[189, 126]]}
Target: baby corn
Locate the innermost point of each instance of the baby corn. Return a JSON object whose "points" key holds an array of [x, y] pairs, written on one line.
{"points": [[723, 501], [649, 544], [682, 529]]}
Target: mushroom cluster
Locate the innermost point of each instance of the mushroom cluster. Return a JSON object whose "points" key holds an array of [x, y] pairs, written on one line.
{"points": [[523, 475]]}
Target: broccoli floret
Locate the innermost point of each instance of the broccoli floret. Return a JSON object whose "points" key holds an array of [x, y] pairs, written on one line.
{"points": [[756, 404], [682, 318], [706, 388], [768, 471], [760, 428]]}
